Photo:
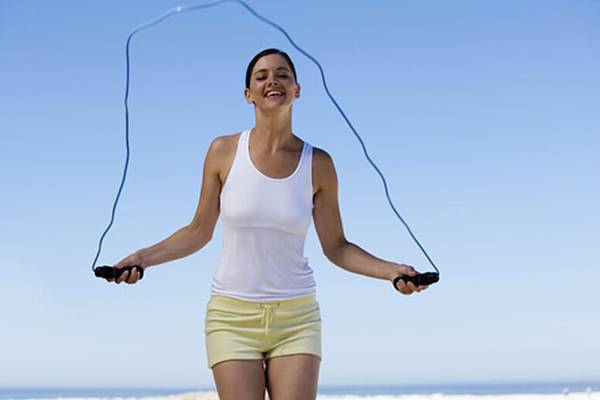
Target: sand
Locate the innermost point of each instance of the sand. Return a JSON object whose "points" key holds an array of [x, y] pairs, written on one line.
{"points": [[570, 396]]}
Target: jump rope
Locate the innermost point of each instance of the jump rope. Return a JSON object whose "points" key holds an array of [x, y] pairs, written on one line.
{"points": [[107, 271]]}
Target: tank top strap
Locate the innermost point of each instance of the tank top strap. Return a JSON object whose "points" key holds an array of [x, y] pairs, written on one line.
{"points": [[265, 221]]}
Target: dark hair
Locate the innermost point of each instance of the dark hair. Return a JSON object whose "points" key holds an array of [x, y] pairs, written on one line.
{"points": [[265, 53]]}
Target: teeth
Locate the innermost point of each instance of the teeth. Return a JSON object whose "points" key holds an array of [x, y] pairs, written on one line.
{"points": [[273, 93]]}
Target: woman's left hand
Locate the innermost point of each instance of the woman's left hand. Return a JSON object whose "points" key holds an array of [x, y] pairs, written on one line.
{"points": [[406, 287]]}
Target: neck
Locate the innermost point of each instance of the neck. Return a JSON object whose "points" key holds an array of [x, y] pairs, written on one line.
{"points": [[273, 131]]}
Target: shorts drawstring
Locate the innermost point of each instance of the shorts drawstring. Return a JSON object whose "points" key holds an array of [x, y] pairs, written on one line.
{"points": [[242, 329], [267, 315]]}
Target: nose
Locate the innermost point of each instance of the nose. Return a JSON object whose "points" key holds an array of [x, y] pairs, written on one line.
{"points": [[272, 86], [272, 79]]}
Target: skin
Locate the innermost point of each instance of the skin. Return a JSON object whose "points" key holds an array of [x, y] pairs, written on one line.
{"points": [[275, 151]]}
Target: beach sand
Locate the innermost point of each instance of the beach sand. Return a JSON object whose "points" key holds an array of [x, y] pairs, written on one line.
{"points": [[570, 396]]}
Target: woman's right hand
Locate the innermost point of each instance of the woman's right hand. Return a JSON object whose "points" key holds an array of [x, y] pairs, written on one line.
{"points": [[130, 260]]}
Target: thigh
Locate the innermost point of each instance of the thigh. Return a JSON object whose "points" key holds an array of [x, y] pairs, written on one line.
{"points": [[293, 377], [240, 379], [232, 332], [296, 329]]}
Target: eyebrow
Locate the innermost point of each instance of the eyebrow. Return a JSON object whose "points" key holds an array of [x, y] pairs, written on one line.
{"points": [[264, 69]]}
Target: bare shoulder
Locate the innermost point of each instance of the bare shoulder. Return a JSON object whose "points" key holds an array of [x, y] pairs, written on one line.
{"points": [[207, 211], [221, 153], [324, 174], [222, 144]]}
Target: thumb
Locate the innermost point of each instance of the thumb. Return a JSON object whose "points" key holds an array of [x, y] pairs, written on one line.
{"points": [[122, 263], [409, 270]]}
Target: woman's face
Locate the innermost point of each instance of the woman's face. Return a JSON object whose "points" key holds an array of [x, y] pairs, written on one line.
{"points": [[272, 73]]}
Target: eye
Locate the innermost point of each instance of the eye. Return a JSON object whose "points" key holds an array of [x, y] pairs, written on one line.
{"points": [[260, 78]]}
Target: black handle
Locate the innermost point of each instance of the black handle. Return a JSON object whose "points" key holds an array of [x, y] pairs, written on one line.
{"points": [[426, 278], [107, 271]]}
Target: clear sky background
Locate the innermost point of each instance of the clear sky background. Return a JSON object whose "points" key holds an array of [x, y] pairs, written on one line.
{"points": [[483, 116]]}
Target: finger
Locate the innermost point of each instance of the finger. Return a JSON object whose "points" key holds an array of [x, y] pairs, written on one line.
{"points": [[410, 271], [412, 286], [400, 285], [115, 279], [404, 289], [123, 276], [134, 276], [129, 276]]}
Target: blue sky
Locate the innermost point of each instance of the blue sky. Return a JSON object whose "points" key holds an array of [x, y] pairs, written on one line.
{"points": [[482, 116]]}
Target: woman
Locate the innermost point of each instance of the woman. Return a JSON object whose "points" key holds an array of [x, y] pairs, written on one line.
{"points": [[263, 323]]}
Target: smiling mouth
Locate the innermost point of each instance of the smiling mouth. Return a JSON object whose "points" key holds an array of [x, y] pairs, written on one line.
{"points": [[276, 96]]}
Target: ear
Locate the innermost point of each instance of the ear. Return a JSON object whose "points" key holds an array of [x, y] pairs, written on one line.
{"points": [[297, 91], [248, 96]]}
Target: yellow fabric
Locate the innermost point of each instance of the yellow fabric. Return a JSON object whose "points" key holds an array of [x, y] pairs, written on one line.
{"points": [[243, 330]]}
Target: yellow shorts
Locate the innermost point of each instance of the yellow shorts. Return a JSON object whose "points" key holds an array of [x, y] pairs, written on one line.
{"points": [[244, 330]]}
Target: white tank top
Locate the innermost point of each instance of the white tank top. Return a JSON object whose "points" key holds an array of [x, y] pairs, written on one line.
{"points": [[265, 221]]}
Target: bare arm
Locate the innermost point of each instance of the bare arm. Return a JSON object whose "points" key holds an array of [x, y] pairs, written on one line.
{"points": [[328, 224], [337, 248], [198, 233], [181, 244]]}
